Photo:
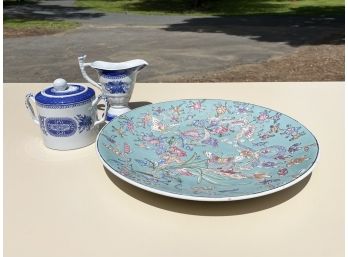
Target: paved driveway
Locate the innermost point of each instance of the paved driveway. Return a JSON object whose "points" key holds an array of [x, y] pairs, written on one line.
{"points": [[174, 46]]}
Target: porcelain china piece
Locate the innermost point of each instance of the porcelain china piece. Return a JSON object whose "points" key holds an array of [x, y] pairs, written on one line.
{"points": [[66, 114], [208, 150], [116, 80]]}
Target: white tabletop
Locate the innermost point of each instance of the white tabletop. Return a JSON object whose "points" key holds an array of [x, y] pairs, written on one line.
{"points": [[65, 204]]}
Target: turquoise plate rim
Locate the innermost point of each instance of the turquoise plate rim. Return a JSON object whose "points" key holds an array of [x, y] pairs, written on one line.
{"points": [[210, 199]]}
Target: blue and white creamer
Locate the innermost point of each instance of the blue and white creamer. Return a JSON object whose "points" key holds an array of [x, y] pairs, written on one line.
{"points": [[116, 80]]}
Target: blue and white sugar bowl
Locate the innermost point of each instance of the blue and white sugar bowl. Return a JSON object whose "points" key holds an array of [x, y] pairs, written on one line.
{"points": [[67, 115]]}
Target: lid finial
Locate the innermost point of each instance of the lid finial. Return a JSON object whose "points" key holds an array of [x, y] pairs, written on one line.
{"points": [[60, 84]]}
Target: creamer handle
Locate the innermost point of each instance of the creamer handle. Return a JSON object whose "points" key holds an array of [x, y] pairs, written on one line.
{"points": [[94, 106], [84, 73], [30, 108]]}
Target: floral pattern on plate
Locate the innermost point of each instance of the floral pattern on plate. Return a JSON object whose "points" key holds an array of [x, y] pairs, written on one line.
{"points": [[207, 149]]}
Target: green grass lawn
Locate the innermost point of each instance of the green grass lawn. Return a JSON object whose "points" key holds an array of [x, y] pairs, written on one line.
{"points": [[17, 27], [38, 24], [219, 7]]}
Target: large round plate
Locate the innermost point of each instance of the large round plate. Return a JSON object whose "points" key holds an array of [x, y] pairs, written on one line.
{"points": [[208, 150]]}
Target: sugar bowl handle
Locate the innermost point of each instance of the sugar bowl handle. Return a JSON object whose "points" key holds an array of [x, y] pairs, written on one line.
{"points": [[94, 106], [82, 65], [30, 108]]}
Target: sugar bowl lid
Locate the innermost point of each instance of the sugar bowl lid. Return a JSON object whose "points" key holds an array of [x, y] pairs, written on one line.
{"points": [[64, 93]]}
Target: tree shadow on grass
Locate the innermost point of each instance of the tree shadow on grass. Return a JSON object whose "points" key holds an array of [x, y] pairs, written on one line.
{"points": [[162, 6], [265, 21], [235, 7], [294, 31], [46, 11], [221, 7], [7, 3]]}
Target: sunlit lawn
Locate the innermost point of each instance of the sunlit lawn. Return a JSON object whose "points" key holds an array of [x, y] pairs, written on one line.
{"points": [[33, 27], [31, 24]]}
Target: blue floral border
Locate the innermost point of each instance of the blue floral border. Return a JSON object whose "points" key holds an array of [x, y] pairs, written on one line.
{"points": [[63, 106]]}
